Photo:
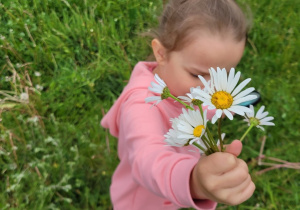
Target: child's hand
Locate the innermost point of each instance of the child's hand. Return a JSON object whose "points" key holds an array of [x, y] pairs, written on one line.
{"points": [[222, 177]]}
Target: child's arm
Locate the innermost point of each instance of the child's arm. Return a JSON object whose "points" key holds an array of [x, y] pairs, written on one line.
{"points": [[153, 165], [222, 177]]}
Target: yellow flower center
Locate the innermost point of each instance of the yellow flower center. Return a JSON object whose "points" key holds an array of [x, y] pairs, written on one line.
{"points": [[221, 100], [198, 130], [254, 121]]}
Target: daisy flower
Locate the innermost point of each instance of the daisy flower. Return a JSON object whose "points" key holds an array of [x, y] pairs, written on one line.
{"points": [[223, 94], [187, 128], [191, 125], [171, 137], [160, 88], [191, 97], [259, 119]]}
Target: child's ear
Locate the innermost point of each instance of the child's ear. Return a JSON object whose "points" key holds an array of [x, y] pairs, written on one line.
{"points": [[159, 51]]}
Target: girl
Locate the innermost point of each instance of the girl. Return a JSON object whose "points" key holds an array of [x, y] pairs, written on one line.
{"points": [[193, 36]]}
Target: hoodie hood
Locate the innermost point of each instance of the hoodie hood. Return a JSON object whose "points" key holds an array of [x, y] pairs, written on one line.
{"points": [[141, 78]]}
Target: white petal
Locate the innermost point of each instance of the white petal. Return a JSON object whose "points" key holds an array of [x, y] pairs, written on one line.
{"points": [[243, 93], [240, 86], [214, 119], [186, 116], [193, 140], [246, 98], [267, 123], [195, 119], [185, 99], [204, 100], [251, 114], [206, 85], [185, 136], [201, 93], [205, 117], [260, 127], [153, 98], [219, 113], [242, 108], [235, 80], [264, 114], [159, 80], [224, 79], [213, 74], [267, 119], [190, 95], [260, 111], [236, 110], [230, 77], [156, 88], [210, 106], [219, 79], [185, 127], [228, 114]]}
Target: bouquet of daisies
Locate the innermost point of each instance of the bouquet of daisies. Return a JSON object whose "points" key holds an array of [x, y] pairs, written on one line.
{"points": [[223, 94]]}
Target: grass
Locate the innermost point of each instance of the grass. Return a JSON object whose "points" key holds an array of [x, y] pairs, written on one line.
{"points": [[74, 57]]}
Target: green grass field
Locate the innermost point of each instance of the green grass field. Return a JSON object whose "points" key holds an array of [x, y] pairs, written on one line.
{"points": [[73, 57]]}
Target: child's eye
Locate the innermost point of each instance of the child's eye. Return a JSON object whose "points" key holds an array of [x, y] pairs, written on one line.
{"points": [[194, 75]]}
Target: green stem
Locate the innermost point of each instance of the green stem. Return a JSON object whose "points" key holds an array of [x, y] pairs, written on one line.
{"points": [[220, 134], [201, 111], [211, 142], [247, 131], [206, 142], [199, 146], [210, 137], [178, 100]]}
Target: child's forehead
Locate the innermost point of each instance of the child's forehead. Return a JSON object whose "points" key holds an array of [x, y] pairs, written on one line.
{"points": [[211, 51], [200, 37], [201, 46]]}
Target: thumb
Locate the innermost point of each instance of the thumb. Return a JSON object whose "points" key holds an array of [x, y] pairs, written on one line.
{"points": [[234, 148]]}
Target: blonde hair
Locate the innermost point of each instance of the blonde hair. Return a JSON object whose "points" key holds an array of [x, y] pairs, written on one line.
{"points": [[181, 17]]}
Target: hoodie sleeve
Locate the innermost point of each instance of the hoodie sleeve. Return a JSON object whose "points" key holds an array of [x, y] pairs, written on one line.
{"points": [[155, 166]]}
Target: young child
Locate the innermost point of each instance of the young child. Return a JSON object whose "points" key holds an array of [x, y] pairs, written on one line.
{"points": [[193, 36]]}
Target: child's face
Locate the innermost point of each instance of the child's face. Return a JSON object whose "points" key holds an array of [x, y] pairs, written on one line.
{"points": [[180, 69]]}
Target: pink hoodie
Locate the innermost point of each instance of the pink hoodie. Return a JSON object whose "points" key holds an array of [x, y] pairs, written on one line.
{"points": [[150, 175]]}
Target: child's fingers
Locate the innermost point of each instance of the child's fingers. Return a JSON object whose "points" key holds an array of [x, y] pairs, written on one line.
{"points": [[219, 163], [236, 176], [237, 195], [248, 191], [244, 191], [234, 148]]}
